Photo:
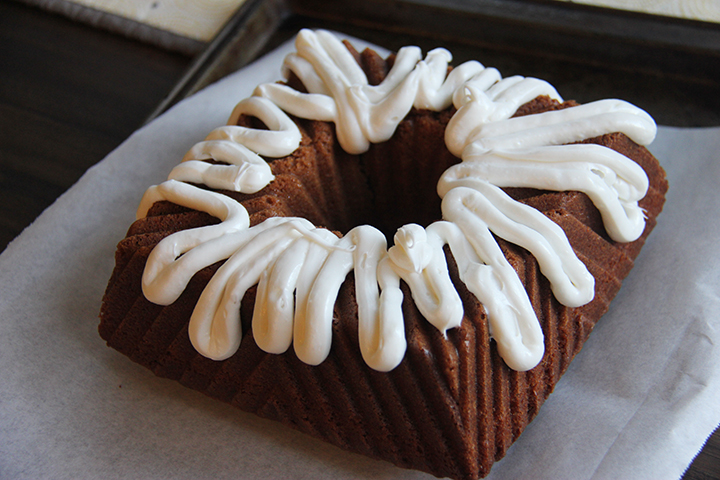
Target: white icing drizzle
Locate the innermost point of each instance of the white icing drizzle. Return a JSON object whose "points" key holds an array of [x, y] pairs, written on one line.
{"points": [[299, 268]]}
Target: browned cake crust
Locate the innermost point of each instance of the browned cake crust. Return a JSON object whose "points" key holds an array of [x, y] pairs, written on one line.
{"points": [[452, 407]]}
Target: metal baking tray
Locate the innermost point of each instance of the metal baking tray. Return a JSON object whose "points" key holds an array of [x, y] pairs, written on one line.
{"points": [[668, 66]]}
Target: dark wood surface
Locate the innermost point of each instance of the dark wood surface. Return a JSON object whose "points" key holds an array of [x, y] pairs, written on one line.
{"points": [[70, 94]]}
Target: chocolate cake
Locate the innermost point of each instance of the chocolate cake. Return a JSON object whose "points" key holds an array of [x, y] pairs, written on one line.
{"points": [[272, 292]]}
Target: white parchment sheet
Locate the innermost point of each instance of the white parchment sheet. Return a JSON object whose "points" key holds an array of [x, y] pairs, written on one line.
{"points": [[638, 402]]}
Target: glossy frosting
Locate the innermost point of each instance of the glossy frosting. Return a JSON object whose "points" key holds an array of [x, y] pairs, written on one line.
{"points": [[299, 268]]}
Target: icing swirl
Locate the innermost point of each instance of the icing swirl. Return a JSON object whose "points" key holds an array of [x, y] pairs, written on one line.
{"points": [[299, 268]]}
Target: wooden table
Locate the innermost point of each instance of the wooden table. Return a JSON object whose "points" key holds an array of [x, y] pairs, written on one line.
{"points": [[69, 94]]}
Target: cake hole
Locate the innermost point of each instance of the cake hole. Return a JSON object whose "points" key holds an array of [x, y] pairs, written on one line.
{"points": [[401, 176]]}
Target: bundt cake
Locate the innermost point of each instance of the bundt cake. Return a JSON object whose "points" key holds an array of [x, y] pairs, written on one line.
{"points": [[259, 273]]}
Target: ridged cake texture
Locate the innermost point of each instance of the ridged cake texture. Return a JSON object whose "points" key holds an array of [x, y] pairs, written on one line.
{"points": [[452, 406]]}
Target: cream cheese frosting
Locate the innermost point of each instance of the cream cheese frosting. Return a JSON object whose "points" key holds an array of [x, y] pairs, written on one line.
{"points": [[299, 268]]}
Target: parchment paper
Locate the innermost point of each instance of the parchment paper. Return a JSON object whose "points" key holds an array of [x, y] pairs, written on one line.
{"points": [[638, 401]]}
